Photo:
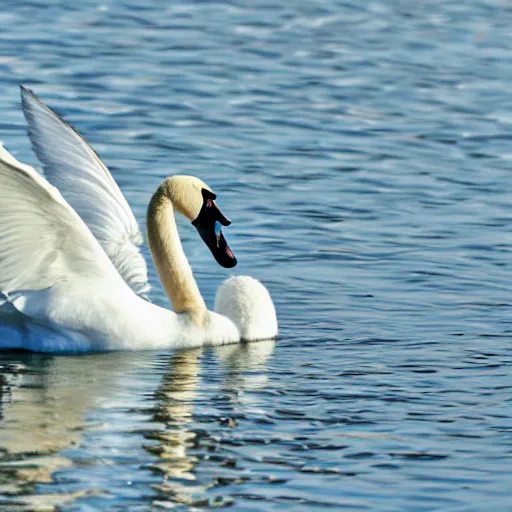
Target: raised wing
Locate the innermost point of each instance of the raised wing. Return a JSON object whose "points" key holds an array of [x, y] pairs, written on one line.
{"points": [[43, 242], [72, 166]]}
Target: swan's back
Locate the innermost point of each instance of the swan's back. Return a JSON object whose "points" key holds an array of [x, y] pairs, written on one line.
{"points": [[247, 303]]}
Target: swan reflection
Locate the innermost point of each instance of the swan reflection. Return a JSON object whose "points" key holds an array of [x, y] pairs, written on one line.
{"points": [[175, 402], [43, 403], [244, 368], [245, 365], [46, 404]]}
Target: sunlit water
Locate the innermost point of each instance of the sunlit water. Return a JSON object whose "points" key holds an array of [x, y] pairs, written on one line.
{"points": [[363, 152]]}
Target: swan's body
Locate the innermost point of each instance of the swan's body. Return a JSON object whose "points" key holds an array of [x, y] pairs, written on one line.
{"points": [[72, 278]]}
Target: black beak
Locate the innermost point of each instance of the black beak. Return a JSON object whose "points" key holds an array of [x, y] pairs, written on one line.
{"points": [[208, 223]]}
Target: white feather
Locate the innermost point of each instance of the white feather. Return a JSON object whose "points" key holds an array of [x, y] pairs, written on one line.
{"points": [[247, 303], [72, 166], [43, 240]]}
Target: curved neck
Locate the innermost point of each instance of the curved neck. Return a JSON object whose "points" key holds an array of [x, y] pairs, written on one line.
{"points": [[170, 260]]}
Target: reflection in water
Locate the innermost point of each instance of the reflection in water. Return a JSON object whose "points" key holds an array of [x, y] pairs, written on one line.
{"points": [[44, 400], [240, 362], [175, 401], [178, 443]]}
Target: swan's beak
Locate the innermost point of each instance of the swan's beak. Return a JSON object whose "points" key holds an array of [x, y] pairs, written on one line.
{"points": [[209, 223]]}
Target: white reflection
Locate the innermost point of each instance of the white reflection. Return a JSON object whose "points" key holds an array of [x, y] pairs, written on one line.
{"points": [[176, 397], [245, 364], [43, 403]]}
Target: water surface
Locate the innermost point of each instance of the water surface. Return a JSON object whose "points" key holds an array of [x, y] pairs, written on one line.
{"points": [[362, 150]]}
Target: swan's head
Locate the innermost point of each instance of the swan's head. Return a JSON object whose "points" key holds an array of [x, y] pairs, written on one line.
{"points": [[195, 200]]}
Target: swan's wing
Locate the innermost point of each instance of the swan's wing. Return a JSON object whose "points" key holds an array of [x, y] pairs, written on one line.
{"points": [[43, 242], [7, 157], [72, 166]]}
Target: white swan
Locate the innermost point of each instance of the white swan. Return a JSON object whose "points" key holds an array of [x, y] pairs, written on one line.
{"points": [[70, 263]]}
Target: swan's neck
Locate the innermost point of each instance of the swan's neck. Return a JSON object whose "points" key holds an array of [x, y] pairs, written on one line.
{"points": [[170, 260]]}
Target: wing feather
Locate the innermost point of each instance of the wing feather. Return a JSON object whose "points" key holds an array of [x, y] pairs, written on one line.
{"points": [[71, 165], [43, 242]]}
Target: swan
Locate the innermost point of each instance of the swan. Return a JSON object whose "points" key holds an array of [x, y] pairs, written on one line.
{"points": [[72, 277]]}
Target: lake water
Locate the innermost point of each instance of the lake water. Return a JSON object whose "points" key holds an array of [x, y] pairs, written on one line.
{"points": [[363, 151]]}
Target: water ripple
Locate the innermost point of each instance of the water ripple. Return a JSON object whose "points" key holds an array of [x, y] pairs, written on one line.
{"points": [[363, 152]]}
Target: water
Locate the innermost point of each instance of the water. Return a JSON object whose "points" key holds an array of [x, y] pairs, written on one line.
{"points": [[362, 150]]}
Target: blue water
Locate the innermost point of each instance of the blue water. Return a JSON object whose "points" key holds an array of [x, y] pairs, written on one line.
{"points": [[363, 152]]}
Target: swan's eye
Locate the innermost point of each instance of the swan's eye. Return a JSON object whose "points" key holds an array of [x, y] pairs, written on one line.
{"points": [[209, 203]]}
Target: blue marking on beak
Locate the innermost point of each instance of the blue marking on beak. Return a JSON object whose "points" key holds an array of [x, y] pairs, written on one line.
{"points": [[218, 230]]}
